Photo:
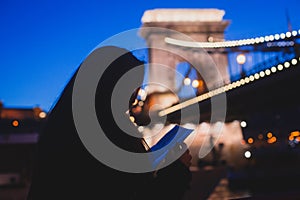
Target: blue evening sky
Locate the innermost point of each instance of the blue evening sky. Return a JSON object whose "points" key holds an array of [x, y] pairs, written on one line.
{"points": [[43, 42]]}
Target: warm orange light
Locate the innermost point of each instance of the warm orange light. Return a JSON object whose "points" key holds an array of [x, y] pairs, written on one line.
{"points": [[291, 137], [42, 115], [298, 139], [243, 142], [200, 83], [272, 140], [295, 133], [15, 123], [250, 140], [269, 135]]}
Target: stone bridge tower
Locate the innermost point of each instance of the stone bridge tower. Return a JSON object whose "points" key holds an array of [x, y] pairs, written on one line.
{"points": [[202, 25]]}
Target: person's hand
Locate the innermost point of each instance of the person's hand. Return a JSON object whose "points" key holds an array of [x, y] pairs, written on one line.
{"points": [[186, 158]]}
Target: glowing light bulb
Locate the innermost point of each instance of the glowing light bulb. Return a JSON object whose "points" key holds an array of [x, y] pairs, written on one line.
{"points": [[187, 81], [247, 154], [15, 123], [195, 83], [243, 124]]}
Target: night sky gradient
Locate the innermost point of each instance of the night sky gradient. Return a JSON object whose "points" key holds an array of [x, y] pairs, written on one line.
{"points": [[43, 42]]}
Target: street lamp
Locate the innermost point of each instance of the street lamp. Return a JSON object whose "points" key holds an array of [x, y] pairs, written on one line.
{"points": [[241, 59]]}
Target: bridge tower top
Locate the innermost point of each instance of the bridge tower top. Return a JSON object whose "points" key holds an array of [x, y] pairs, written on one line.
{"points": [[184, 15], [201, 25]]}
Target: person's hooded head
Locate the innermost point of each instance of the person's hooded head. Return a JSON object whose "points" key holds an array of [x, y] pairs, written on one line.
{"points": [[60, 119]]}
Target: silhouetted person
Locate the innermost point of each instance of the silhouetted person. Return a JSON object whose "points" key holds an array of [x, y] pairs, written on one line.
{"points": [[64, 169]]}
